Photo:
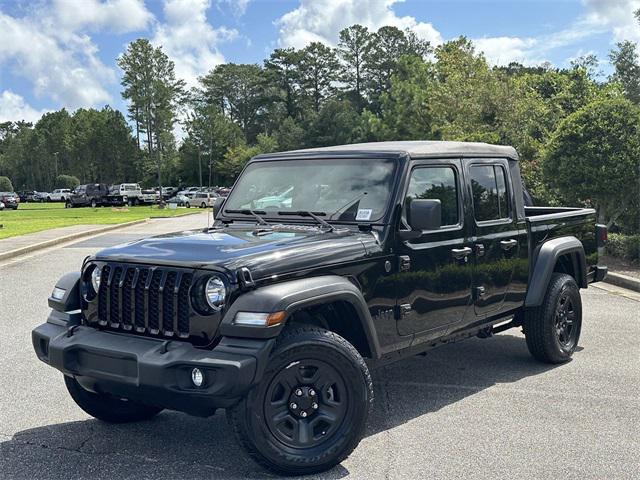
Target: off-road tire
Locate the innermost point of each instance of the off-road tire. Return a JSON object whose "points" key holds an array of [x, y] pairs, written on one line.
{"points": [[540, 322], [108, 408], [249, 420]]}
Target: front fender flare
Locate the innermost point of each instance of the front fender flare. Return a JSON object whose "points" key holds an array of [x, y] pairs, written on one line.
{"points": [[296, 294]]}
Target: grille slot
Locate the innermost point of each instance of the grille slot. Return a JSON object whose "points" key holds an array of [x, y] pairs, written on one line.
{"points": [[153, 301]]}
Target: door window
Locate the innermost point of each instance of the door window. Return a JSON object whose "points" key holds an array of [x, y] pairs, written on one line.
{"points": [[437, 183], [489, 190]]}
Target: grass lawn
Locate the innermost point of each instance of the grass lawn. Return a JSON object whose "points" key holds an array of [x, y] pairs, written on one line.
{"points": [[35, 217]]}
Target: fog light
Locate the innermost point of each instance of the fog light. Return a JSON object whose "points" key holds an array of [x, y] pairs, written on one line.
{"points": [[197, 377]]}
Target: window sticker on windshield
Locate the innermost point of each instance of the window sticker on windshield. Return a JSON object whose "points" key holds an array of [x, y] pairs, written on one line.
{"points": [[364, 214]]}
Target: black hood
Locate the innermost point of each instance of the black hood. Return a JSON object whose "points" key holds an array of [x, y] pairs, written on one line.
{"points": [[265, 253]]}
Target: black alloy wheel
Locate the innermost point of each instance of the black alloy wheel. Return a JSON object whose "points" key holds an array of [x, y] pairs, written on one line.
{"points": [[309, 411], [306, 404], [552, 330], [565, 322]]}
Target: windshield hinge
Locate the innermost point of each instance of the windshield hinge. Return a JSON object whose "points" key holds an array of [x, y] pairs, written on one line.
{"points": [[245, 278]]}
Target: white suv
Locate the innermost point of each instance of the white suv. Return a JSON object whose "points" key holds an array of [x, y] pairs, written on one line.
{"points": [[58, 195]]}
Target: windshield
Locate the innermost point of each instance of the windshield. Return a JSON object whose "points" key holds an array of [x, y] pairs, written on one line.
{"points": [[339, 189]]}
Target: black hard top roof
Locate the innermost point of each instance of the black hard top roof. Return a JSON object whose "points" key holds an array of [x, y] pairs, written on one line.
{"points": [[413, 148]]}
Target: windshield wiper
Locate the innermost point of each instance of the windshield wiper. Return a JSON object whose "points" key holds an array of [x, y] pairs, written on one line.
{"points": [[314, 215], [248, 211], [347, 205]]}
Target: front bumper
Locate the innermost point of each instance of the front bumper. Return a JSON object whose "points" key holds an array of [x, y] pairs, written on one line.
{"points": [[151, 371]]}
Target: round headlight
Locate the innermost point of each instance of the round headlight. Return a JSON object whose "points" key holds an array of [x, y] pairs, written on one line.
{"points": [[215, 293], [96, 273]]}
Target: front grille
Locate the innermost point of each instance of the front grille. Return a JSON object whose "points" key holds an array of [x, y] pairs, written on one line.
{"points": [[152, 301]]}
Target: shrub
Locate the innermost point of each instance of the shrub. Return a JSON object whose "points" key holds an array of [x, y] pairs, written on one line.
{"points": [[624, 246], [5, 185], [66, 181]]}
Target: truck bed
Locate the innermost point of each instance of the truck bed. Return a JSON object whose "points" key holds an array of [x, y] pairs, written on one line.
{"points": [[546, 223]]}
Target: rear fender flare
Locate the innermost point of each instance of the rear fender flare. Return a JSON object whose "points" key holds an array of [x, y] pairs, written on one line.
{"points": [[545, 261], [294, 295]]}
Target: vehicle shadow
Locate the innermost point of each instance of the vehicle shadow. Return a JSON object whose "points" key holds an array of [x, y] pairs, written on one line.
{"points": [[174, 445]]}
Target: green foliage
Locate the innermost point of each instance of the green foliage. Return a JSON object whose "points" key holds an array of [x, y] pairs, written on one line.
{"points": [[5, 184], [624, 246], [593, 157], [66, 181], [627, 69], [93, 145]]}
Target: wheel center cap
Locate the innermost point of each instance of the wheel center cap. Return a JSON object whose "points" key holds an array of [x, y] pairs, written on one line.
{"points": [[303, 401]]}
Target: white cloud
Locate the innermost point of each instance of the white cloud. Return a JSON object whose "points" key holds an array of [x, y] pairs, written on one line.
{"points": [[60, 64], [601, 16], [118, 16], [322, 20], [14, 108], [189, 39], [239, 6], [614, 15], [503, 50]]}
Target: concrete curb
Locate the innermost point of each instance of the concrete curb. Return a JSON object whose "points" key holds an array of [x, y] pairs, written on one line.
{"points": [[623, 281], [67, 238]]}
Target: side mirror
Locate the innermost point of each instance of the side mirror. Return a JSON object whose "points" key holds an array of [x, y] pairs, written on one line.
{"points": [[424, 214], [217, 206]]}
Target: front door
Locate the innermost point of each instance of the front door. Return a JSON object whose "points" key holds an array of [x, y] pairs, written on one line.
{"points": [[435, 277], [495, 233]]}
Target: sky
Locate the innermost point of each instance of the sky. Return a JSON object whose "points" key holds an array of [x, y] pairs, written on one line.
{"points": [[62, 53]]}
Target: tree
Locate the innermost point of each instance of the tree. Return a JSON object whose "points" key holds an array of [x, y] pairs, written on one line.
{"points": [[594, 157], [239, 91], [66, 181], [154, 94], [352, 49], [5, 184], [318, 71], [627, 69], [386, 47], [282, 70]]}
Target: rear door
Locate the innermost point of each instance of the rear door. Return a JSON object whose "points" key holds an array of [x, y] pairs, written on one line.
{"points": [[435, 277], [495, 233]]}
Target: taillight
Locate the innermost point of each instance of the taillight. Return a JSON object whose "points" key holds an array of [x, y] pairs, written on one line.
{"points": [[602, 234]]}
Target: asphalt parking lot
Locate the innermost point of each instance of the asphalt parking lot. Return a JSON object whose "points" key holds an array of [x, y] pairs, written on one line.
{"points": [[476, 409]]}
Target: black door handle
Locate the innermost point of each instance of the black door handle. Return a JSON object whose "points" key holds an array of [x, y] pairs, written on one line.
{"points": [[508, 244], [460, 253]]}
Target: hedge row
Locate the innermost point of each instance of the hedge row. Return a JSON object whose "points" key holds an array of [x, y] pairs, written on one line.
{"points": [[624, 246]]}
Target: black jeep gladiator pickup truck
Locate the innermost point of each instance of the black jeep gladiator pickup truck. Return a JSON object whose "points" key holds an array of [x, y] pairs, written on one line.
{"points": [[359, 255]]}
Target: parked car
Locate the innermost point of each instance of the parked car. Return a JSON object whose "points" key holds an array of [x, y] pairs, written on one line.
{"points": [[180, 200], [168, 192], [223, 191], [149, 196], [10, 200], [40, 196], [59, 195], [89, 195], [201, 199], [129, 192], [26, 196], [386, 251]]}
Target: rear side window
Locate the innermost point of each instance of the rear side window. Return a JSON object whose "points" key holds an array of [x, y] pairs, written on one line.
{"points": [[437, 183], [489, 190]]}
